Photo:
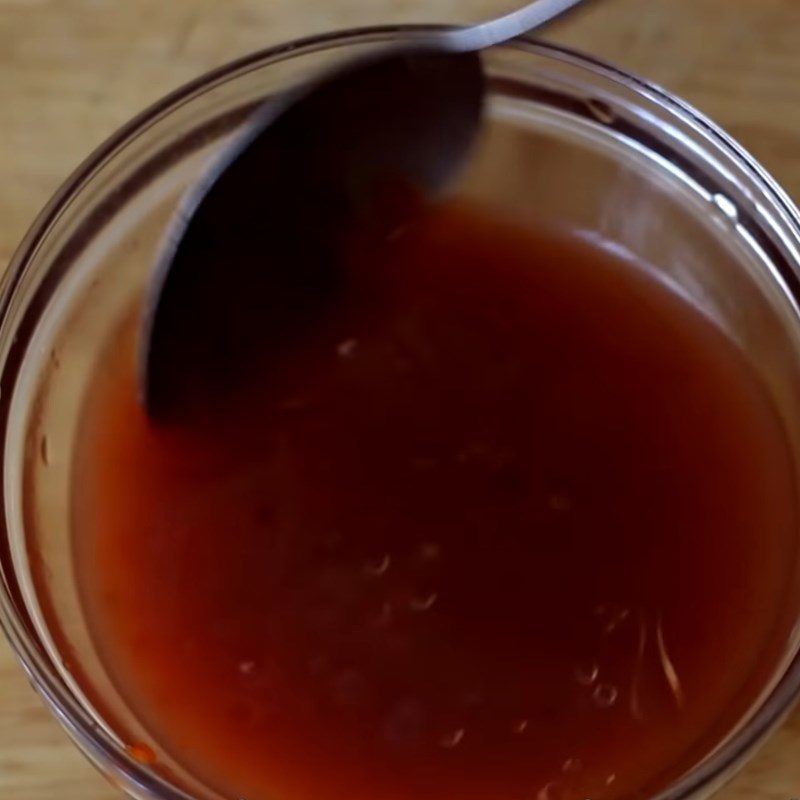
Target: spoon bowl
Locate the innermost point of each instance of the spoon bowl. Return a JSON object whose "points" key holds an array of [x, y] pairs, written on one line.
{"points": [[254, 253]]}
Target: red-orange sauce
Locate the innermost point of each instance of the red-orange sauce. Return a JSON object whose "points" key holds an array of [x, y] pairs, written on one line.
{"points": [[513, 522]]}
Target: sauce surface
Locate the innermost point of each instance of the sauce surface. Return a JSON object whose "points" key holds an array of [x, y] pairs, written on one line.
{"points": [[512, 522]]}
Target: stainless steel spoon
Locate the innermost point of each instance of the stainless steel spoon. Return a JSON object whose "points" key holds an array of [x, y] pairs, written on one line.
{"points": [[252, 256]]}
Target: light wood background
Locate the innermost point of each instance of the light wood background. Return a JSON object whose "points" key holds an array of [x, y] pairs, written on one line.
{"points": [[71, 71]]}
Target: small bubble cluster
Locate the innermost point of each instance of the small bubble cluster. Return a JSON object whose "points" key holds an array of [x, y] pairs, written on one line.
{"points": [[378, 566]]}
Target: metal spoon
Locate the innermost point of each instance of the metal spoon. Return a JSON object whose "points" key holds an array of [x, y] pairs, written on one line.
{"points": [[253, 250]]}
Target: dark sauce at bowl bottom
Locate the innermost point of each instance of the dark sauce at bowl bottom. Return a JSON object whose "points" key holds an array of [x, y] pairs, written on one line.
{"points": [[511, 521]]}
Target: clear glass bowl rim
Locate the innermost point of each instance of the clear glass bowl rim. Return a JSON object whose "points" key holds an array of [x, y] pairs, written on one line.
{"points": [[94, 742]]}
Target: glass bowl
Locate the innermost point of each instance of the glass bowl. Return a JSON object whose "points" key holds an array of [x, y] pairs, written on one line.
{"points": [[568, 139]]}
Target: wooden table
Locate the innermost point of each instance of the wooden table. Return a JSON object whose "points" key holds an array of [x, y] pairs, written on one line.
{"points": [[73, 70]]}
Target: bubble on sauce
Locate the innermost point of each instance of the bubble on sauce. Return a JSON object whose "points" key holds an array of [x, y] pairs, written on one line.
{"points": [[520, 726], [452, 739], [611, 616], [247, 667], [375, 567], [347, 348], [554, 790], [586, 674], [423, 602], [610, 779], [605, 695], [572, 765], [141, 753]]}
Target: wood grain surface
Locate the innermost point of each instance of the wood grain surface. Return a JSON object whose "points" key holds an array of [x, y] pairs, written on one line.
{"points": [[71, 71]]}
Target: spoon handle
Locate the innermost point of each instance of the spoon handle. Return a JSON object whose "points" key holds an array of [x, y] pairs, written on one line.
{"points": [[501, 29]]}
